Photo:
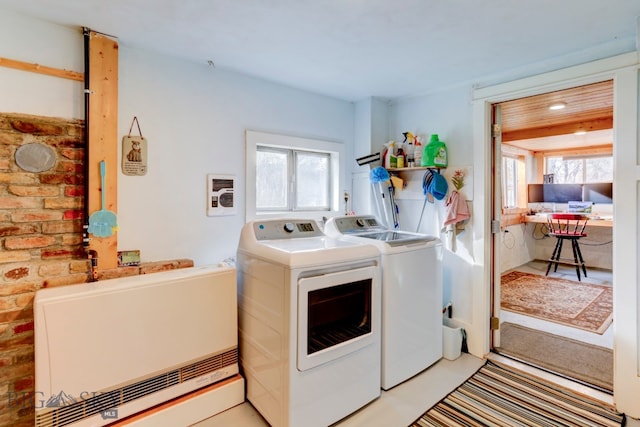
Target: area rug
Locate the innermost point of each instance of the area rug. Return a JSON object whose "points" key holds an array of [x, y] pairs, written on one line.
{"points": [[580, 305], [499, 395], [587, 363]]}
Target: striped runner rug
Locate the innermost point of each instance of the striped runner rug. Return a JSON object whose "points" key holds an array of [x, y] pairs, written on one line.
{"points": [[498, 395]]}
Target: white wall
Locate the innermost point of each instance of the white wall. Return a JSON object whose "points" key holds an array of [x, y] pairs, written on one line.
{"points": [[194, 117], [448, 114]]}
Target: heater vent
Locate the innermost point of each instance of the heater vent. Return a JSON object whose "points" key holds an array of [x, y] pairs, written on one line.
{"points": [[66, 409]]}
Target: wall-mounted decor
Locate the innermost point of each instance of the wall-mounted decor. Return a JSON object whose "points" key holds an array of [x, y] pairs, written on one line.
{"points": [[220, 198], [35, 157], [134, 152], [460, 178]]}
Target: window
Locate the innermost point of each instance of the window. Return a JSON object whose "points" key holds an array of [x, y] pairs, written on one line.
{"points": [[509, 182], [291, 175], [292, 180], [579, 169]]}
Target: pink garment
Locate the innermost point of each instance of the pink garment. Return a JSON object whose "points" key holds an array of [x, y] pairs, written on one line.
{"points": [[457, 210]]}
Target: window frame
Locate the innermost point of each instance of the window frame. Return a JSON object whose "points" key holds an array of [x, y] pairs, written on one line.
{"points": [[335, 150]]}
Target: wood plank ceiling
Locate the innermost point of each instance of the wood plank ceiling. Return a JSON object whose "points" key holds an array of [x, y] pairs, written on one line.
{"points": [[528, 123]]}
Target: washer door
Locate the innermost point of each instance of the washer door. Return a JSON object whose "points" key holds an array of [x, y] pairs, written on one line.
{"points": [[336, 315]]}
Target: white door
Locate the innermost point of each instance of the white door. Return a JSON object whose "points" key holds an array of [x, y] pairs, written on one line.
{"points": [[624, 70], [626, 226]]}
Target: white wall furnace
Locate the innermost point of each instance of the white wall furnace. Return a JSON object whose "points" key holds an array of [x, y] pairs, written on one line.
{"points": [[108, 350]]}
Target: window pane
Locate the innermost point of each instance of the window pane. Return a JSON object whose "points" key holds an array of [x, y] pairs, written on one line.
{"points": [[599, 169], [312, 180], [271, 180], [565, 171], [509, 182]]}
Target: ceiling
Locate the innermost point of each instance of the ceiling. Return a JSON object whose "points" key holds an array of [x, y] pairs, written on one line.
{"points": [[354, 49], [530, 124]]}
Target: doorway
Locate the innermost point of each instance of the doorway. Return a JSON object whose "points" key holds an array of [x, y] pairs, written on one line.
{"points": [[547, 160]]}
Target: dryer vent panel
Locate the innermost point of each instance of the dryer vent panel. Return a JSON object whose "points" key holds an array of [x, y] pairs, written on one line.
{"points": [[220, 195]]}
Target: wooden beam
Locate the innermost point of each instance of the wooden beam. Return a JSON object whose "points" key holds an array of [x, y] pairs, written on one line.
{"points": [[41, 69], [102, 131], [561, 129]]}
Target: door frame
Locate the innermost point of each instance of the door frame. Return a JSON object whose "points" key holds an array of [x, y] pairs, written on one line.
{"points": [[623, 70]]}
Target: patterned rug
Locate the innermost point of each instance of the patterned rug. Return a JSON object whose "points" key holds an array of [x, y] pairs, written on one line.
{"points": [[498, 395], [577, 304]]}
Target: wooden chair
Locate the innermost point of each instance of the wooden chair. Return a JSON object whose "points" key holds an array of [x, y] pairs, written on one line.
{"points": [[567, 227]]}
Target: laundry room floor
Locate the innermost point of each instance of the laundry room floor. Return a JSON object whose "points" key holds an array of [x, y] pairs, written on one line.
{"points": [[403, 404], [399, 406]]}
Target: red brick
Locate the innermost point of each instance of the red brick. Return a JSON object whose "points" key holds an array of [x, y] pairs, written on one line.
{"points": [[5, 361], [29, 242], [8, 202], [6, 151], [12, 316], [17, 273], [70, 167], [14, 256], [79, 266], [52, 178], [17, 230], [36, 216], [4, 164], [72, 153], [7, 303], [60, 253], [53, 269], [34, 190], [73, 214], [74, 191], [71, 239], [18, 178], [11, 138], [23, 327], [36, 128], [62, 203], [7, 289], [61, 227], [23, 384], [64, 142], [76, 129], [24, 300]]}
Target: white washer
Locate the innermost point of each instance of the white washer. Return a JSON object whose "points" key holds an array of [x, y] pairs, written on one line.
{"points": [[411, 294], [309, 322]]}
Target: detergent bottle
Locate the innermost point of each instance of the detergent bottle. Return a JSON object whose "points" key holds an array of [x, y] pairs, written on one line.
{"points": [[435, 153]]}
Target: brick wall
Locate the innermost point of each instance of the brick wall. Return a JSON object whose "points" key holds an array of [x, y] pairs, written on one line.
{"points": [[41, 218]]}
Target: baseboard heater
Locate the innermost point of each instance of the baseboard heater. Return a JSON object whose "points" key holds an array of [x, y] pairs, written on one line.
{"points": [[108, 350]]}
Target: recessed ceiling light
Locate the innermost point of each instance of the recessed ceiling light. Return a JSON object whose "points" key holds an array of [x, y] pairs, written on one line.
{"points": [[580, 132], [558, 106]]}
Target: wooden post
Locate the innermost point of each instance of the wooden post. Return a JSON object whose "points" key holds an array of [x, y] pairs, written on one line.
{"points": [[103, 134]]}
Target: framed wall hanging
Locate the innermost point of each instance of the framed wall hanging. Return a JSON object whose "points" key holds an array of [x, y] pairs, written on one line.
{"points": [[134, 152]]}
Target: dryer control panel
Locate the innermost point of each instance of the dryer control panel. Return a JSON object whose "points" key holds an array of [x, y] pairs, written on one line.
{"points": [[357, 224], [286, 229]]}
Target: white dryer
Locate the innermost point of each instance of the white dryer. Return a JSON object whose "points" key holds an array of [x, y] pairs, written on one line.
{"points": [[309, 322], [411, 294]]}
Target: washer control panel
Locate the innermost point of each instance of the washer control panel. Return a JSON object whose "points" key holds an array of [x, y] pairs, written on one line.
{"points": [[286, 229]]}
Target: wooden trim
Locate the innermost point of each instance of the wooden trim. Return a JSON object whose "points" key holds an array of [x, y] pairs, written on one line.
{"points": [[103, 135], [561, 129], [41, 69]]}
